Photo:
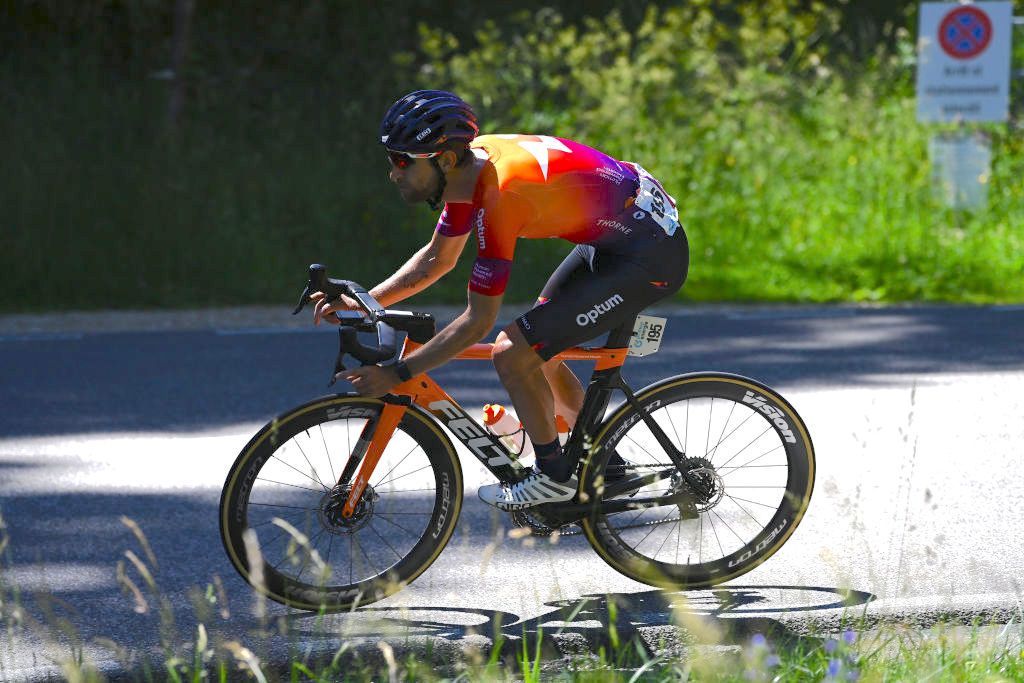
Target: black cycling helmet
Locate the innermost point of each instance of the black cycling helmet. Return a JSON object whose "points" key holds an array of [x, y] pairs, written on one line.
{"points": [[424, 120]]}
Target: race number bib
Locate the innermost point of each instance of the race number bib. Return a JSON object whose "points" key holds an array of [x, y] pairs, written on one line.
{"points": [[653, 199], [647, 334]]}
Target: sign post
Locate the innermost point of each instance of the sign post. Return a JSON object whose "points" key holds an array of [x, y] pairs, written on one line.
{"points": [[963, 75]]}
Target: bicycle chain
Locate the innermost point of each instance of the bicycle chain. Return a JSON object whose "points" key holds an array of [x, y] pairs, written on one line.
{"points": [[523, 518]]}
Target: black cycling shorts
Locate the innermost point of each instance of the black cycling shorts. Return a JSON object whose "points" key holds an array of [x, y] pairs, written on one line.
{"points": [[595, 290]]}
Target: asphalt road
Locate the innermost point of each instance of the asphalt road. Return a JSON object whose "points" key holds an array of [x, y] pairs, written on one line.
{"points": [[916, 414]]}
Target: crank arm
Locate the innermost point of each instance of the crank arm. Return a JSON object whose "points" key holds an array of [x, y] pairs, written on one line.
{"points": [[630, 484], [566, 513]]}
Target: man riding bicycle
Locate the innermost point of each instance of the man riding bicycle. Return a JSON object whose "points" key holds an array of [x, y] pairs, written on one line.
{"points": [[630, 252]]}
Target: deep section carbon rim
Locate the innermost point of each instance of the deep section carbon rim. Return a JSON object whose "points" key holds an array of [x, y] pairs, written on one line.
{"points": [[749, 475], [284, 490]]}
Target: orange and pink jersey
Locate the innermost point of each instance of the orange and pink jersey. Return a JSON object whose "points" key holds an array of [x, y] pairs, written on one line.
{"points": [[537, 186]]}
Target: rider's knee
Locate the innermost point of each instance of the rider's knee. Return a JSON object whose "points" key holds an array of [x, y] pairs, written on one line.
{"points": [[512, 360]]}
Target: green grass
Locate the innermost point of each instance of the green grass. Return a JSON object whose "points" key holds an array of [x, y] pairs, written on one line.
{"points": [[863, 650]]}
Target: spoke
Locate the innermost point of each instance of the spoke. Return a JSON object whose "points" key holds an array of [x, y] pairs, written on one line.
{"points": [[745, 510], [752, 442], [273, 540], [738, 467], [735, 429], [392, 492], [390, 547], [309, 553], [635, 517], [316, 475], [721, 436], [327, 560], [722, 520], [700, 535], [271, 521], [418, 514], [752, 502], [679, 538], [707, 438], [348, 442], [299, 471], [738, 486], [668, 536], [414, 447], [427, 466], [649, 454], [653, 527], [675, 431], [281, 483], [399, 526], [283, 533], [327, 452], [275, 505], [368, 560], [686, 429], [715, 531], [747, 464]]}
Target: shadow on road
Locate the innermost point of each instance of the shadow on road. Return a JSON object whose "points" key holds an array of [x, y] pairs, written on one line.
{"points": [[651, 622]]}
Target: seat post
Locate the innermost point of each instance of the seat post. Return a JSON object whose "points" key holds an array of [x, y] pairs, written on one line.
{"points": [[620, 336]]}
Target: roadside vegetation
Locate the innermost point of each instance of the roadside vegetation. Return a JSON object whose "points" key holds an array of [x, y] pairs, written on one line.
{"points": [[785, 129], [861, 651]]}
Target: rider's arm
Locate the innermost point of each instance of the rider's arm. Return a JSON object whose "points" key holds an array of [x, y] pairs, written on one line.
{"points": [[424, 268], [469, 328]]}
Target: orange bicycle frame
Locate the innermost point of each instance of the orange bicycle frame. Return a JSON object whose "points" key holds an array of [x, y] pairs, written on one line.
{"points": [[425, 392]]}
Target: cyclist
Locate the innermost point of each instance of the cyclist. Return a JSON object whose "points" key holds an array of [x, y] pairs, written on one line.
{"points": [[630, 252]]}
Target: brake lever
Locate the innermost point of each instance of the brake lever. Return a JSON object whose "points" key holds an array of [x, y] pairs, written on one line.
{"points": [[303, 300], [317, 278]]}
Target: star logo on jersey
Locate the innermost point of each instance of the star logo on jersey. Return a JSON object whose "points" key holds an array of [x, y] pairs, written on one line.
{"points": [[541, 148]]}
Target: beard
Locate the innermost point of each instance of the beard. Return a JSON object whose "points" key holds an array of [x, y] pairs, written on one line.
{"points": [[414, 195]]}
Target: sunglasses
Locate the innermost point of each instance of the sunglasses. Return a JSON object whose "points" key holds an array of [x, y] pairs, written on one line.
{"points": [[405, 159]]}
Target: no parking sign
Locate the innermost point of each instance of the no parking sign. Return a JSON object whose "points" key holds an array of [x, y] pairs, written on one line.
{"points": [[963, 71]]}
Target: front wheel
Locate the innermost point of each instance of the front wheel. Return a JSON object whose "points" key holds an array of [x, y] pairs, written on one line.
{"points": [[746, 481], [280, 510]]}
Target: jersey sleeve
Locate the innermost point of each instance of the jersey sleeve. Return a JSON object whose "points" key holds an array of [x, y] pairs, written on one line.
{"points": [[454, 220], [497, 225]]}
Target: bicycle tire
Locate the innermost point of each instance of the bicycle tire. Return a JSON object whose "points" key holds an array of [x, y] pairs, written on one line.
{"points": [[778, 465], [398, 529]]}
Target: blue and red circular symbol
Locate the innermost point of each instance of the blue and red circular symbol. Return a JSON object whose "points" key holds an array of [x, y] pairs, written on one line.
{"points": [[965, 32]]}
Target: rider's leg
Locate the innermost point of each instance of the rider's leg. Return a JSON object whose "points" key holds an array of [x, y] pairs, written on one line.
{"points": [[566, 389], [520, 370]]}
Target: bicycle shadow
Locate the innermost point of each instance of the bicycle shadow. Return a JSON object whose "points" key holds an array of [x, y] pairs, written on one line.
{"points": [[652, 622]]}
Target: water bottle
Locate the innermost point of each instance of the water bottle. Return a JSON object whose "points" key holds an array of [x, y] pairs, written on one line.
{"points": [[508, 429], [563, 429]]}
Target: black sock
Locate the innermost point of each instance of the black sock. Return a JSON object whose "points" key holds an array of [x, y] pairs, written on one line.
{"points": [[552, 462]]}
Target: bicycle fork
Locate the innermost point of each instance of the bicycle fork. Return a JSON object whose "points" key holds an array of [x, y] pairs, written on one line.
{"points": [[373, 439]]}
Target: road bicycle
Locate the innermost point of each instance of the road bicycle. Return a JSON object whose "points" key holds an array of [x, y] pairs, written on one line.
{"points": [[345, 500]]}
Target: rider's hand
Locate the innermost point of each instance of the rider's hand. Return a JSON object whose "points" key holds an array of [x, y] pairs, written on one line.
{"points": [[324, 310], [373, 381]]}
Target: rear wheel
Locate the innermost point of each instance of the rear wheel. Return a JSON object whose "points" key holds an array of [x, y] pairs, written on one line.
{"points": [[749, 466], [283, 488]]}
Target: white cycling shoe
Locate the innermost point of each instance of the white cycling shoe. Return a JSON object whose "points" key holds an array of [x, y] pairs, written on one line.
{"points": [[536, 489]]}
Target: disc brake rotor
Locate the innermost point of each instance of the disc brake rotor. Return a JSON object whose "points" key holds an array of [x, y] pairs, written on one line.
{"points": [[332, 504]]}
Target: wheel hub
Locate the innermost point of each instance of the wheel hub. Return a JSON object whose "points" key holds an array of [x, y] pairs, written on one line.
{"points": [[707, 490], [332, 504]]}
